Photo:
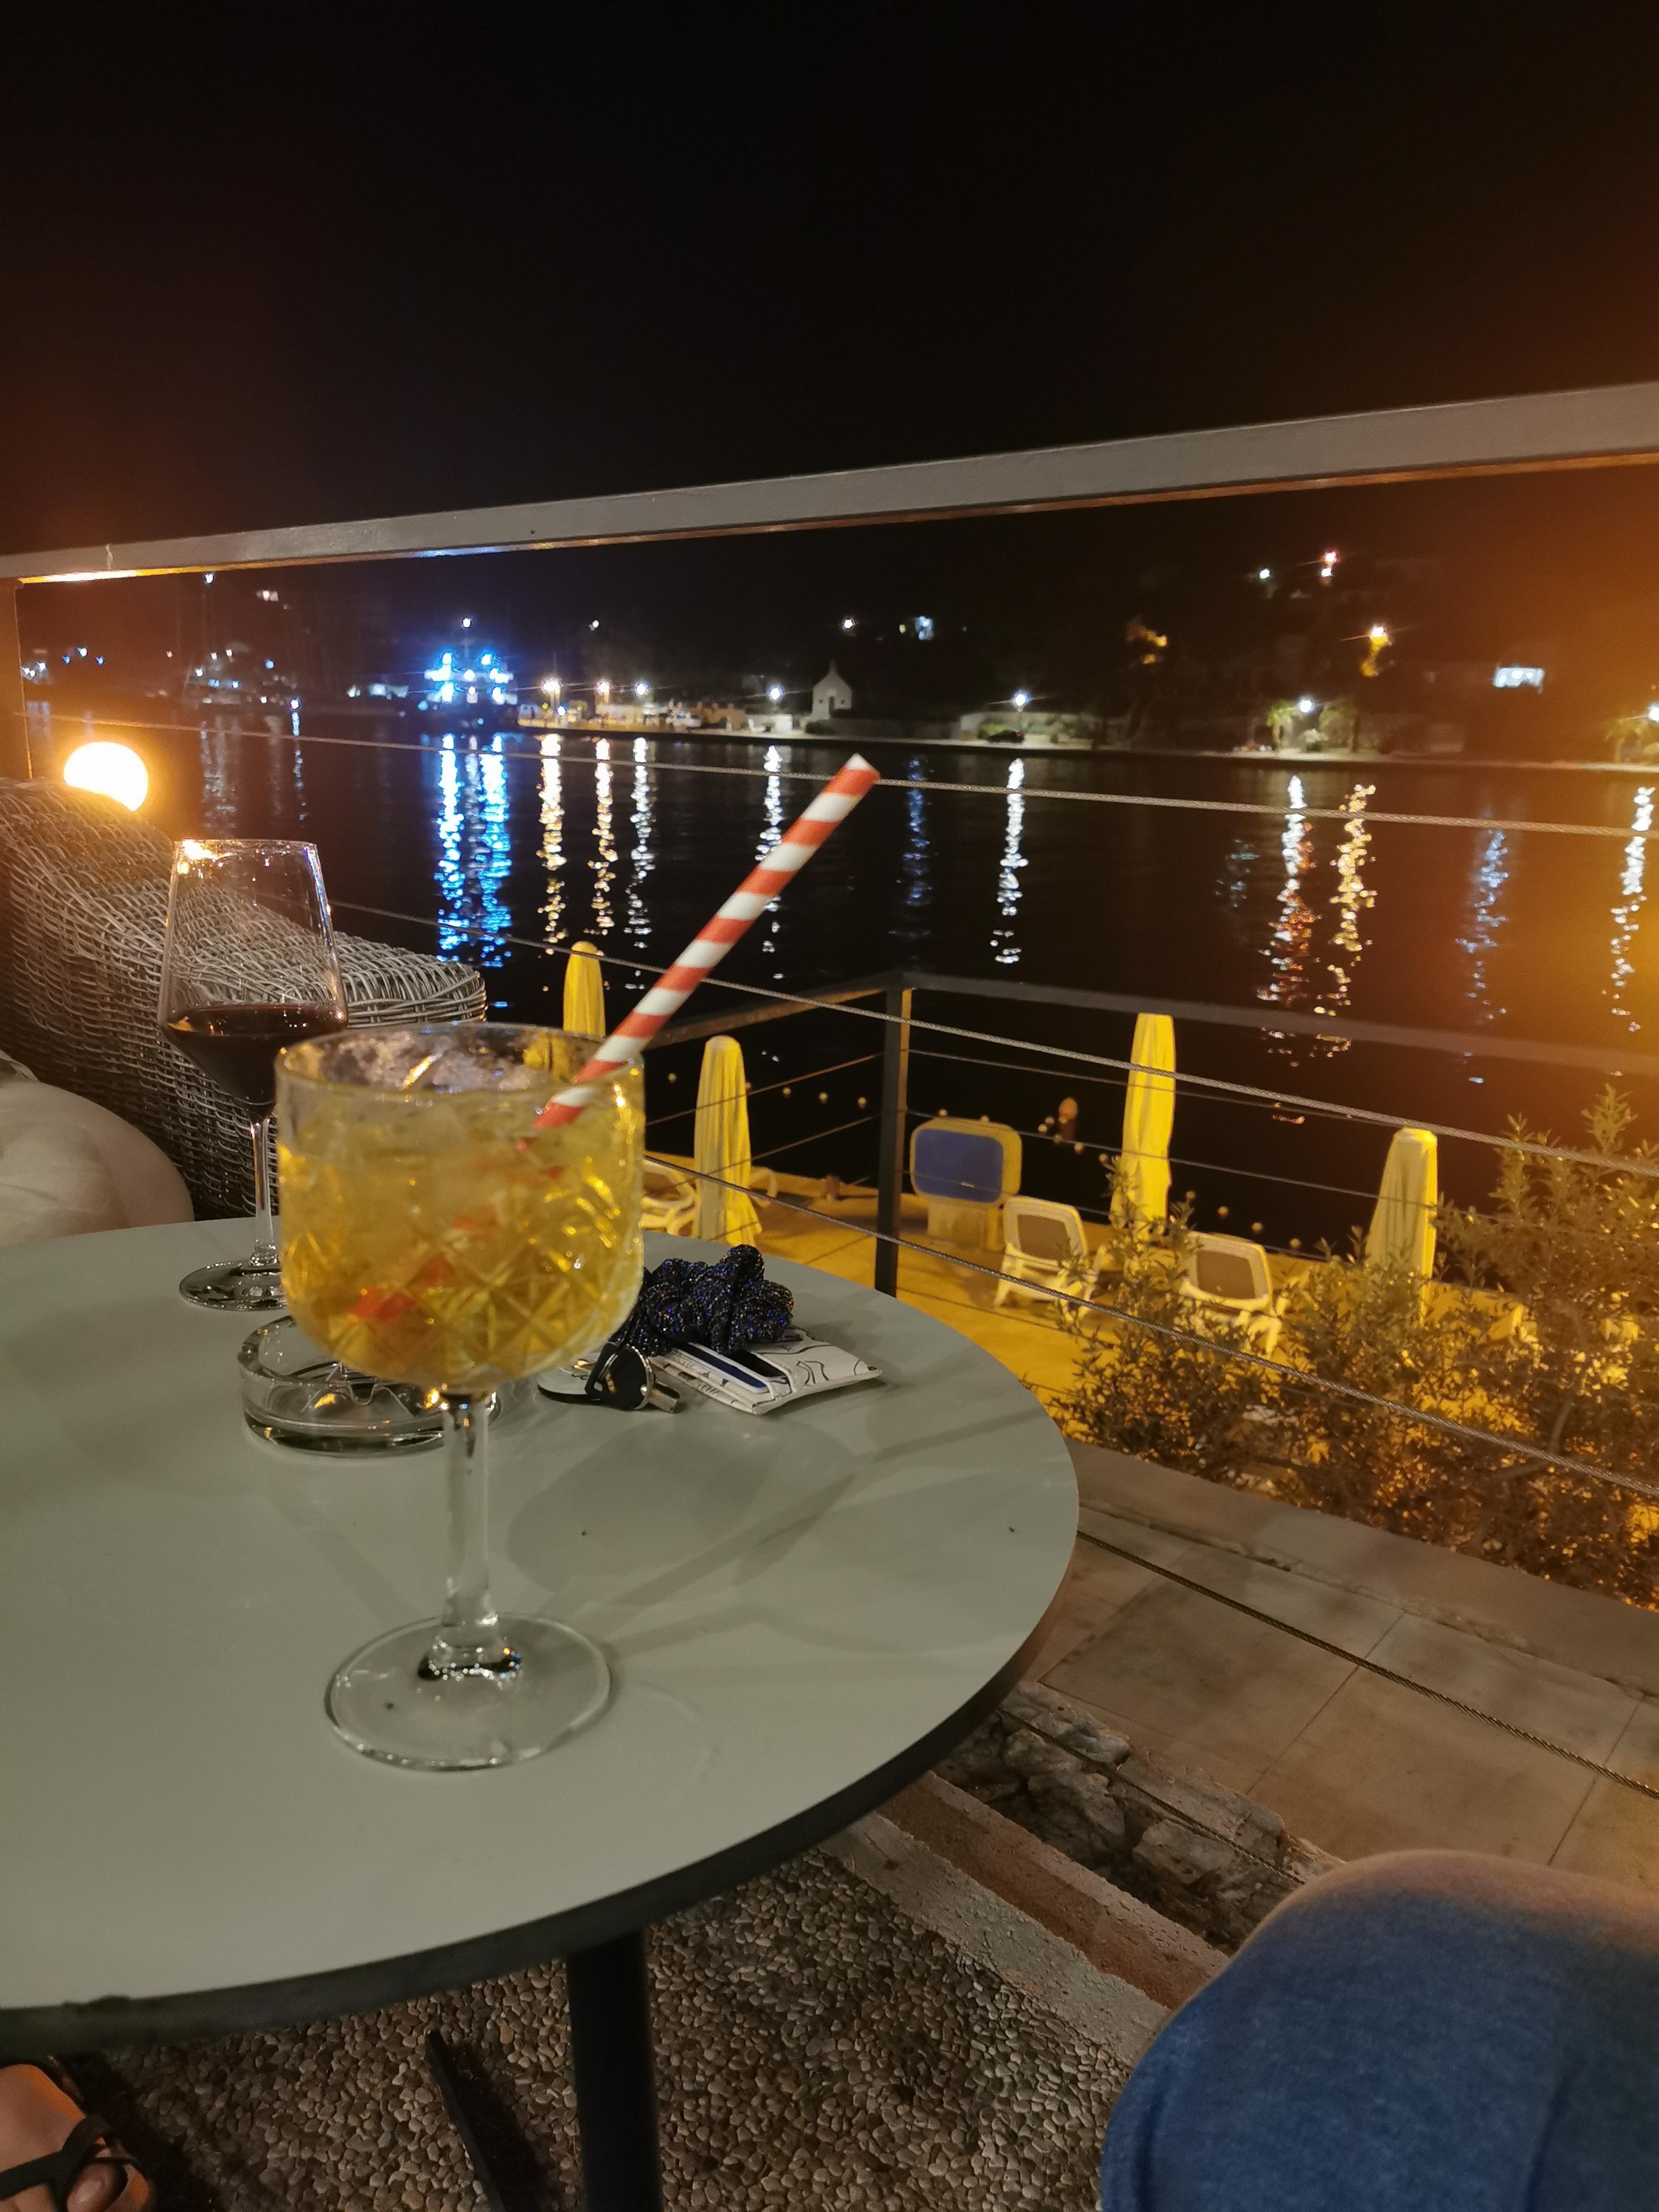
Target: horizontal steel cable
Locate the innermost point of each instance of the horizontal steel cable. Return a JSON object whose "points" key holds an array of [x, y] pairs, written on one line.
{"points": [[1512, 1447], [1345, 815], [760, 1089], [1373, 1666], [1175, 1160], [1218, 1084]]}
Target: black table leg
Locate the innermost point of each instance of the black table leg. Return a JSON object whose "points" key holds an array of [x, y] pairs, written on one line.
{"points": [[616, 2081]]}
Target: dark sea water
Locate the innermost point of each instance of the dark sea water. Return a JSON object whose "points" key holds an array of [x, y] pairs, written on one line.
{"points": [[505, 844]]}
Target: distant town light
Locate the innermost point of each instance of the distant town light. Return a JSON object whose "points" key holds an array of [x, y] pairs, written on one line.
{"points": [[924, 626], [550, 685], [116, 771], [774, 692], [847, 621], [1378, 634], [603, 687], [81, 650], [594, 624], [207, 578], [1305, 705], [1514, 676], [1264, 575], [484, 659], [1022, 699], [641, 689], [467, 621], [1653, 711], [1331, 557]]}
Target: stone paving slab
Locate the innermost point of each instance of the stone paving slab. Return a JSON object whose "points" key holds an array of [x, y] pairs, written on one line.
{"points": [[1382, 1769], [1234, 1689], [1580, 1711], [1578, 1629]]}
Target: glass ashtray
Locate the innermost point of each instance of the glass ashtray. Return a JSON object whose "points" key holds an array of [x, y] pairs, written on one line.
{"points": [[295, 1394]]}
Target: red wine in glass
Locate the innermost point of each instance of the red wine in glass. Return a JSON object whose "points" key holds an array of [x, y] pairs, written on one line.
{"points": [[236, 1046], [248, 966]]}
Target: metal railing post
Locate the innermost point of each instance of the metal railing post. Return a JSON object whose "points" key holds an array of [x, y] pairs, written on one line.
{"points": [[14, 710], [895, 1100]]}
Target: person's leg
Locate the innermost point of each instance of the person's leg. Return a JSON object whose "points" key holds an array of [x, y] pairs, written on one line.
{"points": [[1430, 2032], [36, 2118]]}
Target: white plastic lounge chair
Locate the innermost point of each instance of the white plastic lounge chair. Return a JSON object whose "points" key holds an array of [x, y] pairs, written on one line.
{"points": [[1043, 1247], [1228, 1274], [670, 1202]]}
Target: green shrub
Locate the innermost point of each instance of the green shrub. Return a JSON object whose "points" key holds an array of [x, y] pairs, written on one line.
{"points": [[1541, 1327]]}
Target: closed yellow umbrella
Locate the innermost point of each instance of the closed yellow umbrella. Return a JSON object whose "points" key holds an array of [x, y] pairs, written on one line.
{"points": [[584, 992], [725, 1213], [1141, 1193], [1401, 1234]]}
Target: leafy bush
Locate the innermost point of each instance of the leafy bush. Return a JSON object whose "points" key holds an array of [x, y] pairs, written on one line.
{"points": [[1541, 1327]]}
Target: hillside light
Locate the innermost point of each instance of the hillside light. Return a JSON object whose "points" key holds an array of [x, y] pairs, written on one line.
{"points": [[1022, 699], [467, 621], [1264, 575], [115, 771], [642, 689], [602, 688], [550, 685], [847, 621], [1306, 705], [1653, 710], [1378, 634], [774, 692]]}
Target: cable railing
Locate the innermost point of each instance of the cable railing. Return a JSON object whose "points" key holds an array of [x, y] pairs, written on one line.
{"points": [[1153, 800], [1195, 1341]]}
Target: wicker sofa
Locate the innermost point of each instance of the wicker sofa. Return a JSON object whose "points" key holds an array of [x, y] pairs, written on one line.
{"points": [[83, 902]]}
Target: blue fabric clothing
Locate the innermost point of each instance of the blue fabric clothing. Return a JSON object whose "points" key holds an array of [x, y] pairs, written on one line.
{"points": [[1430, 2032]]}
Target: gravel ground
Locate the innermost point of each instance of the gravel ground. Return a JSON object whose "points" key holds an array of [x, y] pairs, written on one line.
{"points": [[816, 2048]]}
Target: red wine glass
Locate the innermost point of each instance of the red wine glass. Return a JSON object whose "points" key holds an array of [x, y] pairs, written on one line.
{"points": [[248, 967]]}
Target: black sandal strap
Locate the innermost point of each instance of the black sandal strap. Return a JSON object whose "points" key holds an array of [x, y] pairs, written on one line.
{"points": [[62, 2168]]}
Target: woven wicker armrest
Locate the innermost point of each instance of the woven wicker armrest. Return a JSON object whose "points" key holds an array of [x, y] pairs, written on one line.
{"points": [[83, 902]]}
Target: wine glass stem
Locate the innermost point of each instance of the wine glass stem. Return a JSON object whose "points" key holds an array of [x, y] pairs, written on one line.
{"points": [[264, 1255], [469, 1639]]}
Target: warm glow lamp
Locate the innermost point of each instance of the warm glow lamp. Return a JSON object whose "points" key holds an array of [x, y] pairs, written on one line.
{"points": [[116, 771]]}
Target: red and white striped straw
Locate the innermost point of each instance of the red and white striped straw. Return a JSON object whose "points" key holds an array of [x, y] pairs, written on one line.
{"points": [[715, 939]]}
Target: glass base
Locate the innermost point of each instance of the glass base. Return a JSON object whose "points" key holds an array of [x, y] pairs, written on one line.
{"points": [[238, 1287], [293, 1394], [385, 1707]]}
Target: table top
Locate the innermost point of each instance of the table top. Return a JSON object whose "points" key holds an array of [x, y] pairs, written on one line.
{"points": [[802, 1611]]}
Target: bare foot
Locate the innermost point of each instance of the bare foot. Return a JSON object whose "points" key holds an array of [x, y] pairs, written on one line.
{"points": [[35, 2117]]}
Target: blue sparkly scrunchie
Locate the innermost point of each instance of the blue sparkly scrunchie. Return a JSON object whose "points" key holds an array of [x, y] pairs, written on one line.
{"points": [[724, 1304]]}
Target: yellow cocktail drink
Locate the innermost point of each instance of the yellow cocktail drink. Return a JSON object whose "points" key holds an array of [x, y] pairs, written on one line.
{"points": [[432, 1235], [429, 1235]]}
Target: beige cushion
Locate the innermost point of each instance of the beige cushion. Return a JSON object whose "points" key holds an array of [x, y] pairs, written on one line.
{"points": [[68, 1166]]}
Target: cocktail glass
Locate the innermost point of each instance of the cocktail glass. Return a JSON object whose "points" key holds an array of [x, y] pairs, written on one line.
{"points": [[431, 1234]]}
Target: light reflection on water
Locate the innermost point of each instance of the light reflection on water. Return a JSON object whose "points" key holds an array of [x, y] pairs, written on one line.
{"points": [[642, 856], [1005, 939], [1627, 915], [552, 808], [1291, 950], [1487, 880], [771, 830], [474, 852], [604, 863]]}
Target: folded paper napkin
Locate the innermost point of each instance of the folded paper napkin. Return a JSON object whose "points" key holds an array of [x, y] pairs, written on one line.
{"points": [[724, 1304]]}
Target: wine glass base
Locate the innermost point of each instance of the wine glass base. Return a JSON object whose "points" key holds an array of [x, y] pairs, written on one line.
{"points": [[385, 1707], [238, 1287]]}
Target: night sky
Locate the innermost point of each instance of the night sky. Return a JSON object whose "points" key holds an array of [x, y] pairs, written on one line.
{"points": [[396, 261]]}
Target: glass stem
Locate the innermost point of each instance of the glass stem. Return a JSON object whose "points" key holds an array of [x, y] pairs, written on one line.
{"points": [[469, 1639], [263, 1257]]}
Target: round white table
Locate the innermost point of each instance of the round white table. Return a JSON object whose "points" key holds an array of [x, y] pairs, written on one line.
{"points": [[804, 1611]]}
